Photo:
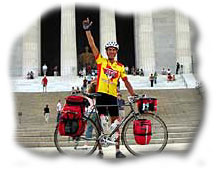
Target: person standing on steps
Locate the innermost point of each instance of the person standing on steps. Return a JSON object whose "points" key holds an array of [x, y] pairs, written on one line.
{"points": [[59, 109], [46, 113], [177, 67], [121, 103], [44, 68], [151, 78], [109, 71], [155, 77], [44, 83]]}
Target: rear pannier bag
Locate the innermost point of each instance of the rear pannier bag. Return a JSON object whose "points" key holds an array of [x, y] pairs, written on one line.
{"points": [[142, 131], [147, 104], [70, 122]]}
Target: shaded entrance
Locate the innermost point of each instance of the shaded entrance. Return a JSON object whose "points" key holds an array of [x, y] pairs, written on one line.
{"points": [[125, 38], [50, 41], [84, 54]]}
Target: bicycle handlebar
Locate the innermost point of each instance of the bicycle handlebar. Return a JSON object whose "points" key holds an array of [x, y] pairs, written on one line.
{"points": [[133, 99]]}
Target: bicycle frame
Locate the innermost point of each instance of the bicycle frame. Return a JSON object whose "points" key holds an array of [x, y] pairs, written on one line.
{"points": [[94, 111], [103, 139]]}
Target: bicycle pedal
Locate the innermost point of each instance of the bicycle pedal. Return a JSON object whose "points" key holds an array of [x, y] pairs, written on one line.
{"points": [[111, 142]]}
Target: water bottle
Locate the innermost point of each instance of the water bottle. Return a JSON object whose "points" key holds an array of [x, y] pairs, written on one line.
{"points": [[112, 127], [104, 122], [145, 107]]}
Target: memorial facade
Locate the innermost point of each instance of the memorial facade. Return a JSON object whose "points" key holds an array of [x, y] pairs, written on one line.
{"points": [[150, 41]]}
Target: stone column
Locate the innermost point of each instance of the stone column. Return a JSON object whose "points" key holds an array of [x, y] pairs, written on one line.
{"points": [[183, 48], [144, 43], [107, 29], [31, 50], [16, 58], [68, 41]]}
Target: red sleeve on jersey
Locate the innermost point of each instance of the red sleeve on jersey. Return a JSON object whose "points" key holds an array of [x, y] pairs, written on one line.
{"points": [[119, 64], [125, 78], [96, 56]]}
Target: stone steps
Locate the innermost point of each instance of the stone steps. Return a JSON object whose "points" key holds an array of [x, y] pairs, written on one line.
{"points": [[49, 137], [51, 131], [44, 137], [65, 83], [51, 143], [180, 109], [36, 127]]}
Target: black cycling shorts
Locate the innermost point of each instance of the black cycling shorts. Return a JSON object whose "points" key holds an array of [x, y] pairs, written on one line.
{"points": [[106, 99]]}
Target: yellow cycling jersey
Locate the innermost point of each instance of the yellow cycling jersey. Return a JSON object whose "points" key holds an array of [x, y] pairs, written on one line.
{"points": [[108, 75]]}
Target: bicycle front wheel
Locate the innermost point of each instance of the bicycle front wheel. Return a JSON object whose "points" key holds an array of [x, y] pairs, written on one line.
{"points": [[157, 140], [83, 145]]}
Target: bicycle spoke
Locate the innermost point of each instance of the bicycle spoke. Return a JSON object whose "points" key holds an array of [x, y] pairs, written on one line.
{"points": [[158, 137], [83, 145]]}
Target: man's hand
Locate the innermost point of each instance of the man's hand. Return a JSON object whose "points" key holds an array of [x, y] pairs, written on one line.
{"points": [[87, 24]]}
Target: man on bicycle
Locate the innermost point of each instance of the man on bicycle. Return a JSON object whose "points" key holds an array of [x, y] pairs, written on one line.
{"points": [[108, 73]]}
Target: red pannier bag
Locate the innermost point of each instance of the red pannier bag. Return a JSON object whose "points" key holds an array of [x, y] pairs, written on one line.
{"points": [[70, 122], [147, 104], [142, 131]]}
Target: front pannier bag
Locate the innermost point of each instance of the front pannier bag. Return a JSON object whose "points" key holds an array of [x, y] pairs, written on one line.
{"points": [[147, 104], [71, 122], [142, 131]]}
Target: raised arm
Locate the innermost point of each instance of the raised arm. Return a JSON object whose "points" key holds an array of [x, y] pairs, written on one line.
{"points": [[86, 26]]}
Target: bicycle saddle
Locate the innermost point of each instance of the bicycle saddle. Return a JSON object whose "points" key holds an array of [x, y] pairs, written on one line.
{"points": [[92, 95]]}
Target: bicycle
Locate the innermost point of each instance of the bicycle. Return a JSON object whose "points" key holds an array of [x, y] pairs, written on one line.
{"points": [[83, 145]]}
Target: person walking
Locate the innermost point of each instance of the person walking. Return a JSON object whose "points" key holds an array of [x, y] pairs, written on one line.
{"points": [[44, 68], [44, 83], [151, 78], [46, 113], [181, 69], [177, 67], [85, 81], [155, 77], [109, 71], [121, 103], [90, 111], [59, 109]]}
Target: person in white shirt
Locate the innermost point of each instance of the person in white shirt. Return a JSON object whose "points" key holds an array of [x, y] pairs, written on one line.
{"points": [[59, 109], [168, 71], [44, 68]]}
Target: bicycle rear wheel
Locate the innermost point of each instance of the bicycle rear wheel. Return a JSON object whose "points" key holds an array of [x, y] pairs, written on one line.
{"points": [[83, 145], [158, 137]]}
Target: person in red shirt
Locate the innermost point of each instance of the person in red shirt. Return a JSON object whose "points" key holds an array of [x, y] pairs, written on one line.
{"points": [[44, 83]]}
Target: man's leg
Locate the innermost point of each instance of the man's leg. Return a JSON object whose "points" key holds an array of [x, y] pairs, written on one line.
{"points": [[119, 154], [100, 110], [46, 117], [113, 118], [58, 116]]}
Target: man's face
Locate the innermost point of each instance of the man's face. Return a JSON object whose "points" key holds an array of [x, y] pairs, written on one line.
{"points": [[111, 52]]}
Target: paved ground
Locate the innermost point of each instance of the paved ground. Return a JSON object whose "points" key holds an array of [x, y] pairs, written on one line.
{"points": [[109, 152]]}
